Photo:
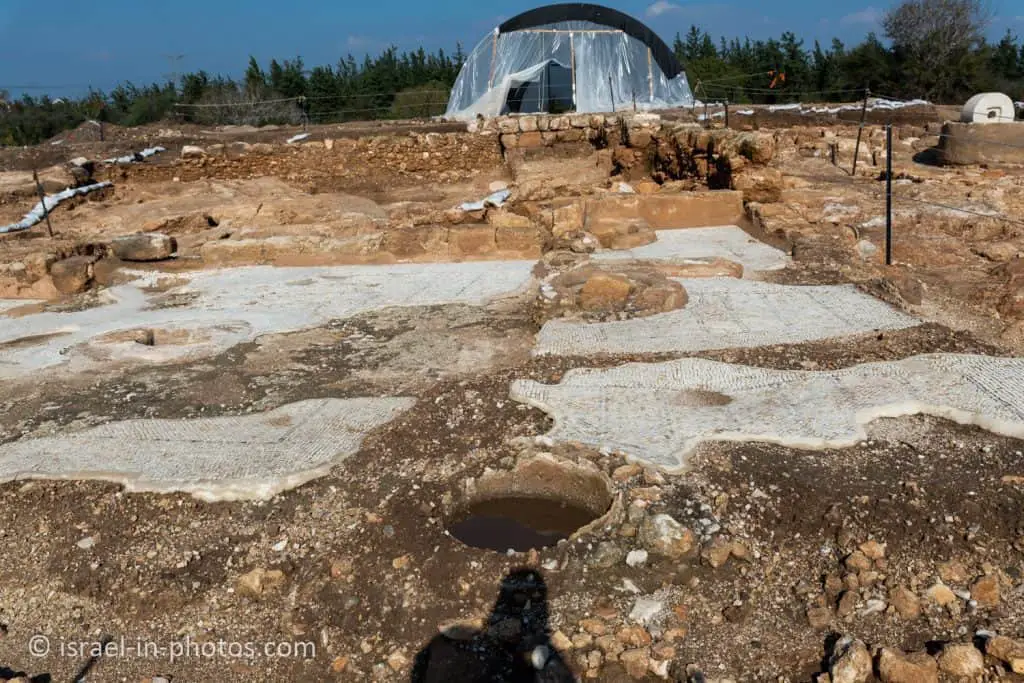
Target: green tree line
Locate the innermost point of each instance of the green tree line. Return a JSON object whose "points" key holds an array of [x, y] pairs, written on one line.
{"points": [[932, 49], [739, 70]]}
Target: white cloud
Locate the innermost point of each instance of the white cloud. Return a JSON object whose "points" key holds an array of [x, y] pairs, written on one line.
{"points": [[661, 7], [359, 42], [868, 15]]}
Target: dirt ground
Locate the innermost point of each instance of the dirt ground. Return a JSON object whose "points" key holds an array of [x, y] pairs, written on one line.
{"points": [[349, 577]]}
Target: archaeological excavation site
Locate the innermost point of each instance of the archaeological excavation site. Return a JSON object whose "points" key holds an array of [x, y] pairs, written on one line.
{"points": [[623, 386]]}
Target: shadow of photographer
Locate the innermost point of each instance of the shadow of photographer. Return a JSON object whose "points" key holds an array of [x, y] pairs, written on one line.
{"points": [[515, 645]]}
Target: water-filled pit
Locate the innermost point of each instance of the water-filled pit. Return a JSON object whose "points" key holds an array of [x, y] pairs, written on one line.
{"points": [[542, 501]]}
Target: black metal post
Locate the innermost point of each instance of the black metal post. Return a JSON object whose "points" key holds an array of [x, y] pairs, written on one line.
{"points": [[863, 117], [727, 113], [612, 91], [888, 194], [42, 200]]}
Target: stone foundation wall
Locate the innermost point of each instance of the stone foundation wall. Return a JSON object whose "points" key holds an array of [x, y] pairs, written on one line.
{"points": [[966, 144], [380, 160], [531, 131]]}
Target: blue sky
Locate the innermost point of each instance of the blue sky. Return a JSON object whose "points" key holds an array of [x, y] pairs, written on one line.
{"points": [[74, 44]]}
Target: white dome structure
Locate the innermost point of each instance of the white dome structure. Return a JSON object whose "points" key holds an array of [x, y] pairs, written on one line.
{"points": [[569, 58], [988, 107]]}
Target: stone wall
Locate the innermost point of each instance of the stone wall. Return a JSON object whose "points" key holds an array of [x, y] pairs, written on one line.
{"points": [[378, 160], [965, 144], [531, 131]]}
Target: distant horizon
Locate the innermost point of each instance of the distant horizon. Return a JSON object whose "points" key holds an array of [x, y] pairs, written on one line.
{"points": [[147, 44]]}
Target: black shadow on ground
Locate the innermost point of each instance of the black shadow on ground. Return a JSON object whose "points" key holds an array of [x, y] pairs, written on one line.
{"points": [[515, 646]]}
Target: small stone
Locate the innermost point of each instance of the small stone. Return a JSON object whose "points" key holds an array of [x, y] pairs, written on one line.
{"points": [[847, 603], [634, 636], [962, 659], [873, 550], [819, 617], [873, 607], [941, 595], [594, 627], [626, 472], [605, 555], [653, 477], [857, 562], [651, 494], [539, 657], [953, 571], [850, 662], [86, 543], [635, 662], [259, 581], [401, 562], [646, 610], [397, 660], [1008, 651], [718, 553], [674, 635], [582, 641], [610, 646], [916, 667], [986, 591], [339, 664], [906, 603], [663, 535], [192, 152], [636, 558]]}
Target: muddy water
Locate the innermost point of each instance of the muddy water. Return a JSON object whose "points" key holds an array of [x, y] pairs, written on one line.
{"points": [[518, 523]]}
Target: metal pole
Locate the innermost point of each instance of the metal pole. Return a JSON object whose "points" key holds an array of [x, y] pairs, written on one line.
{"points": [[572, 67], [650, 75], [494, 56], [42, 200], [888, 194], [727, 113], [612, 91], [863, 116]]}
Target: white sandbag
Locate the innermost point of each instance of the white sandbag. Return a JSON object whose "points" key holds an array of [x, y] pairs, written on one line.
{"points": [[988, 107]]}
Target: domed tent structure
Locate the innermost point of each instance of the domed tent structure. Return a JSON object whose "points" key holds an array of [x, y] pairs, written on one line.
{"points": [[572, 57]]}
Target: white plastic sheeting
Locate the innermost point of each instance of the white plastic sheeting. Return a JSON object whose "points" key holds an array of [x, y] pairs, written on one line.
{"points": [[136, 156], [565, 66], [877, 104], [495, 200], [38, 212]]}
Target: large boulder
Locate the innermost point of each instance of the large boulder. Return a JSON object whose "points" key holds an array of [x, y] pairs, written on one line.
{"points": [[605, 291], [72, 275], [150, 246]]}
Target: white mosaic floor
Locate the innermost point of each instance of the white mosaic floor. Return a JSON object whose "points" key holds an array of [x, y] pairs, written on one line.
{"points": [[214, 459], [660, 412], [8, 304], [226, 307], [697, 244], [729, 313]]}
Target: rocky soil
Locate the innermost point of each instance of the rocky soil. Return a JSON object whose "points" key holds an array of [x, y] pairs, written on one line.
{"points": [[899, 560]]}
